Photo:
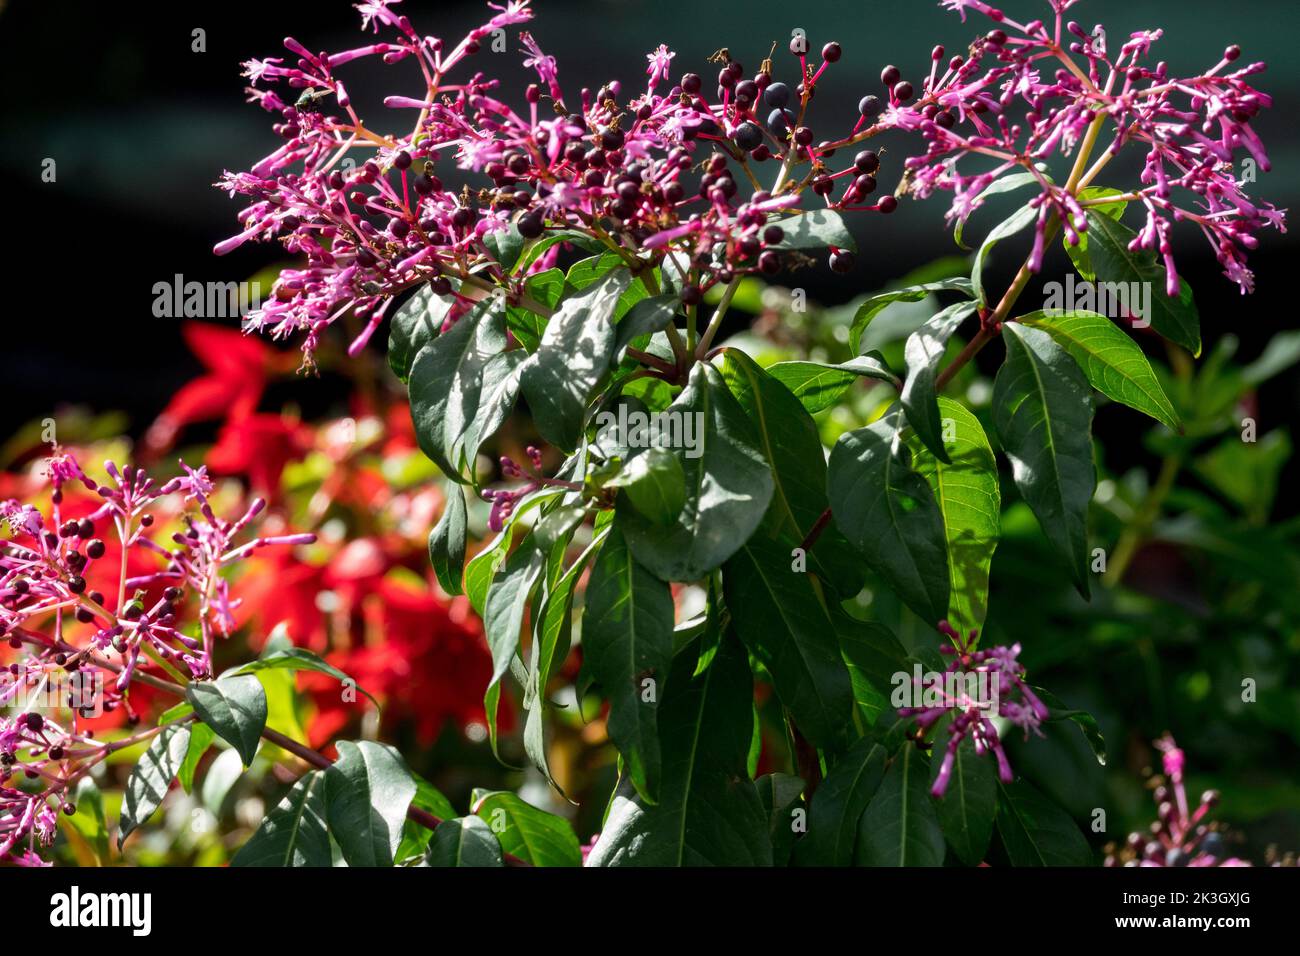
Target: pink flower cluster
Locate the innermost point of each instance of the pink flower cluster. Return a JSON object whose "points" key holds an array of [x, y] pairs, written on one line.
{"points": [[1025, 92], [615, 166], [1180, 836], [1001, 676], [82, 648]]}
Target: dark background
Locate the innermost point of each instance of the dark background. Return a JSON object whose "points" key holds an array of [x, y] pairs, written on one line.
{"points": [[140, 126]]}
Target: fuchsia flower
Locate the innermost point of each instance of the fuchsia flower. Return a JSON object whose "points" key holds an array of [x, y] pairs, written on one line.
{"points": [[1019, 96], [1003, 678], [1180, 836], [71, 635]]}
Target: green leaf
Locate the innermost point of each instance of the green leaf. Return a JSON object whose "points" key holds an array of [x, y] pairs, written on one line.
{"points": [[838, 805], [368, 791], [201, 738], [505, 246], [415, 325], [888, 512], [151, 777], [533, 835], [295, 832], [447, 383], [900, 826], [447, 542], [1019, 220], [550, 646], [970, 500], [506, 603], [645, 318], [789, 440], [483, 567], [1005, 184], [574, 356], [1114, 364], [781, 794], [782, 617], [1042, 410], [923, 352], [464, 841], [627, 640], [655, 484], [1036, 832], [1115, 210], [1108, 248], [497, 396], [968, 806], [728, 485], [235, 707], [546, 289], [1086, 723], [416, 836], [295, 659], [817, 229], [868, 309], [580, 239], [709, 812], [819, 385], [873, 655]]}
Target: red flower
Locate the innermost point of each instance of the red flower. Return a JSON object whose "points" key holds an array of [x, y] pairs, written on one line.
{"points": [[258, 447]]}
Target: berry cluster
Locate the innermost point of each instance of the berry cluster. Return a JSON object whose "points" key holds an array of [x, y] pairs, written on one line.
{"points": [[618, 167]]}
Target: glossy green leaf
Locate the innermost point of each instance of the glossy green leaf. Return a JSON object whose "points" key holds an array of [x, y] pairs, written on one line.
{"points": [[1114, 364], [1115, 210], [645, 318], [533, 835], [1042, 410], [201, 738], [655, 485], [574, 356], [1004, 184], [447, 383], [873, 655], [819, 385], [627, 644], [900, 826], [1173, 317], [235, 707], [1036, 832], [294, 833], [709, 812], [969, 495], [464, 841], [915, 293], [151, 777], [782, 795], [728, 485], [1086, 723], [295, 659], [550, 646], [889, 513], [512, 587], [415, 325], [447, 542], [498, 392], [789, 440], [817, 229], [924, 350], [1018, 221], [368, 791], [838, 805], [416, 836], [782, 617]]}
